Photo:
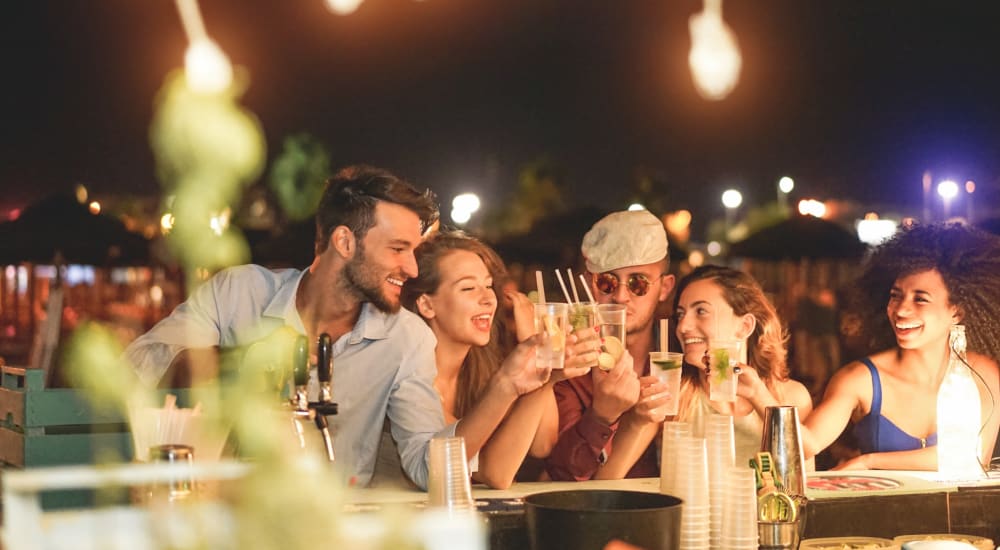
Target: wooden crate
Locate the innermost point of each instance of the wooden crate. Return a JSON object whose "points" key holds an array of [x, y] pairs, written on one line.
{"points": [[47, 427]]}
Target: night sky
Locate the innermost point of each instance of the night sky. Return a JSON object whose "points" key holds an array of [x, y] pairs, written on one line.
{"points": [[851, 98]]}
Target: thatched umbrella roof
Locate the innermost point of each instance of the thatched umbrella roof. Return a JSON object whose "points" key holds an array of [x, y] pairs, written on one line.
{"points": [[799, 237], [61, 228]]}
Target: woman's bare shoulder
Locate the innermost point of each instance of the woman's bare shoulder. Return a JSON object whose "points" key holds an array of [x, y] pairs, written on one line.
{"points": [[984, 364], [795, 393]]}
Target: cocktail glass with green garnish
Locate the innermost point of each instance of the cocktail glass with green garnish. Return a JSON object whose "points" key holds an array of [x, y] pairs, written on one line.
{"points": [[666, 365], [723, 356]]}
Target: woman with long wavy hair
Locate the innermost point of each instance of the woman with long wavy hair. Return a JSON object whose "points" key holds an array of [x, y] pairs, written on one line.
{"points": [[715, 302], [506, 405]]}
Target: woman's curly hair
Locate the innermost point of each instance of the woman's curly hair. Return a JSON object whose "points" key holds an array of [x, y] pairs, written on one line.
{"points": [[968, 260]]}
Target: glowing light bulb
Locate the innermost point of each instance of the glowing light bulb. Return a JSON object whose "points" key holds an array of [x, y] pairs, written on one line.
{"points": [[732, 198], [466, 201], [207, 67], [715, 58], [343, 7]]}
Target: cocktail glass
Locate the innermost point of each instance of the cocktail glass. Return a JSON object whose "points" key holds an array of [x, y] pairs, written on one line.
{"points": [[611, 318], [551, 323], [666, 366], [723, 356]]}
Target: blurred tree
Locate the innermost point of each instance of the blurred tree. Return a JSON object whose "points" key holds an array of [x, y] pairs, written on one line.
{"points": [[539, 194], [298, 175]]}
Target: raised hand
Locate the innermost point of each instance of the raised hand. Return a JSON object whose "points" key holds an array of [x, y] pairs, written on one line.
{"points": [[582, 348], [518, 370], [615, 391], [653, 398]]}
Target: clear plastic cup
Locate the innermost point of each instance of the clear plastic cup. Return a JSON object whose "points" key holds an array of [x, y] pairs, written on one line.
{"points": [[723, 356], [448, 483], [611, 319], [551, 322], [666, 366]]}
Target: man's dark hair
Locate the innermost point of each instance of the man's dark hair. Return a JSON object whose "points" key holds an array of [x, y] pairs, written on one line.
{"points": [[350, 197]]}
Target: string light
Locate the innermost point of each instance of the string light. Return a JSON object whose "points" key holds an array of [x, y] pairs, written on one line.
{"points": [[343, 7], [715, 58], [206, 66]]}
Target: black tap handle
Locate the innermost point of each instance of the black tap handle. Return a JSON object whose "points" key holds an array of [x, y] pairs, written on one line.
{"points": [[324, 356], [300, 361]]}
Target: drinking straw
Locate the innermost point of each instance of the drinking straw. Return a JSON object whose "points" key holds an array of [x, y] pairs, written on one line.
{"points": [[586, 288], [541, 286], [563, 286], [572, 284], [664, 328]]}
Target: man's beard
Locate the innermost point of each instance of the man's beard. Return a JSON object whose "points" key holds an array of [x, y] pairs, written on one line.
{"points": [[365, 282]]}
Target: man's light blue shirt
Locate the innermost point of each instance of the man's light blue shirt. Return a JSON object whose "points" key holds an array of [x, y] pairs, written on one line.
{"points": [[384, 367]]}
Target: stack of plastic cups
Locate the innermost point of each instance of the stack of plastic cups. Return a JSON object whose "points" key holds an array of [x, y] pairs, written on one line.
{"points": [[672, 432], [739, 513], [691, 485], [721, 452], [448, 476]]}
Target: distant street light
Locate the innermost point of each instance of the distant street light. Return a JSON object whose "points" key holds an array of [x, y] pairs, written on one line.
{"points": [[812, 207], [970, 188], [463, 206], [731, 199], [948, 190], [785, 186]]}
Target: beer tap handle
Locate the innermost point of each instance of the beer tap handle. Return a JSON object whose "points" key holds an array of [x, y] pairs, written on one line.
{"points": [[324, 367], [300, 373]]}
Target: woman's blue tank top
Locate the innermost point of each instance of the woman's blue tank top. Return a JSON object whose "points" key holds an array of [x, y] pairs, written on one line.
{"points": [[876, 433]]}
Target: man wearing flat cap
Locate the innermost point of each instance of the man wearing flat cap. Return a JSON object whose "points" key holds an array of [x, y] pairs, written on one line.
{"points": [[605, 417]]}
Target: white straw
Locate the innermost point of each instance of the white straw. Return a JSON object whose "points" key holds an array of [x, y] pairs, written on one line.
{"points": [[664, 331], [572, 284], [586, 288], [563, 286], [541, 286]]}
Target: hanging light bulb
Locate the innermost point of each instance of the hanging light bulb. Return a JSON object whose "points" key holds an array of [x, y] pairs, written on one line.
{"points": [[207, 67], [715, 58], [343, 7]]}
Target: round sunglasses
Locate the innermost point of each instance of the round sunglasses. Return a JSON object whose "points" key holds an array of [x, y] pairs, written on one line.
{"points": [[637, 283]]}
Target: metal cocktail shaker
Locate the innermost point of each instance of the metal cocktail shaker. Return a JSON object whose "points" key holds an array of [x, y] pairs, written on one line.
{"points": [[781, 438]]}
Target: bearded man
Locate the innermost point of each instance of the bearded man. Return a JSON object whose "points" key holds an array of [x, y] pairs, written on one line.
{"points": [[367, 225]]}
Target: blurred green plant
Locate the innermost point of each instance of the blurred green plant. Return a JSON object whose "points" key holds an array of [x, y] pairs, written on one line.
{"points": [[207, 149], [298, 174]]}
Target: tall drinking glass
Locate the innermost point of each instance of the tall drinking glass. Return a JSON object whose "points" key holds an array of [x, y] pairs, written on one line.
{"points": [[551, 323], [666, 366], [723, 356], [582, 315], [611, 318]]}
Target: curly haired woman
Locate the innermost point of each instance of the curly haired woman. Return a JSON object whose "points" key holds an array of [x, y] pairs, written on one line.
{"points": [[914, 288]]}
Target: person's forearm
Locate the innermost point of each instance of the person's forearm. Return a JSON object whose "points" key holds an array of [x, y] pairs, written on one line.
{"points": [[479, 424], [917, 459], [578, 451], [504, 452], [631, 441]]}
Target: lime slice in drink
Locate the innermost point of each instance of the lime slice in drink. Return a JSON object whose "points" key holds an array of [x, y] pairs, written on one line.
{"points": [[554, 332], [720, 364], [668, 364], [579, 318]]}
